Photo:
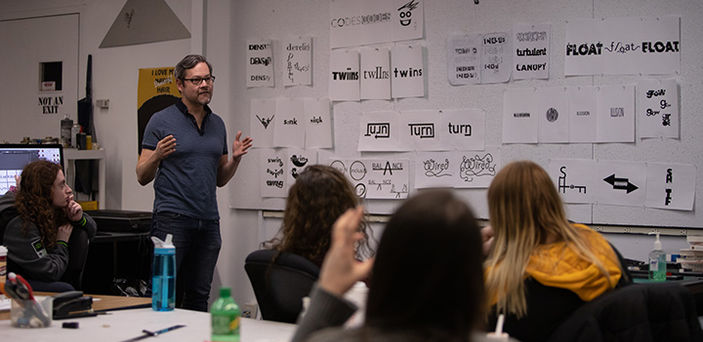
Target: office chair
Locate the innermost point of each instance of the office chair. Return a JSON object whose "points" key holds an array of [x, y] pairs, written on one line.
{"points": [[638, 312], [280, 286]]}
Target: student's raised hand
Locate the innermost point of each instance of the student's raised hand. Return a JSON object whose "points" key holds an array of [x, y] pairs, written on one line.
{"points": [[240, 148], [487, 238], [64, 232], [73, 210], [340, 269]]}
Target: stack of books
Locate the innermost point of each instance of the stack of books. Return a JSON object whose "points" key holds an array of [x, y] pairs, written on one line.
{"points": [[692, 258]]}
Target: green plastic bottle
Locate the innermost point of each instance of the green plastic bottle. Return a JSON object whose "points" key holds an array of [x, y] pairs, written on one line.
{"points": [[224, 317], [657, 261]]}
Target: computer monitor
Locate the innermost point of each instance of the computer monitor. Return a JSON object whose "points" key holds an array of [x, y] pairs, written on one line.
{"points": [[13, 158]]}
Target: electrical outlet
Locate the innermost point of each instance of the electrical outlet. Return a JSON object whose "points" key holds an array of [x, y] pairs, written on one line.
{"points": [[103, 103], [250, 310]]}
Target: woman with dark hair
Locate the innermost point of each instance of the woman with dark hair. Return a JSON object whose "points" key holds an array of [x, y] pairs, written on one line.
{"points": [[47, 242], [318, 197], [427, 277]]}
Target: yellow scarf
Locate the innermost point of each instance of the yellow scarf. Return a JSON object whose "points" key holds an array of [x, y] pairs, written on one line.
{"points": [[557, 265]]}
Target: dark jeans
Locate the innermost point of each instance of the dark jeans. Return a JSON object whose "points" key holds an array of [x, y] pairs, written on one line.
{"points": [[197, 248]]}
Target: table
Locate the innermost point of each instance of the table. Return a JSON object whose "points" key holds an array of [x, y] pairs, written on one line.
{"points": [[124, 324], [100, 302]]}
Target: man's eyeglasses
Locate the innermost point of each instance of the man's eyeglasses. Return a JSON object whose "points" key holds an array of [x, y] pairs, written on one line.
{"points": [[199, 80]]}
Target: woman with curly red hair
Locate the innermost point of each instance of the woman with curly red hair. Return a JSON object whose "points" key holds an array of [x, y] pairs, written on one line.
{"points": [[47, 242]]}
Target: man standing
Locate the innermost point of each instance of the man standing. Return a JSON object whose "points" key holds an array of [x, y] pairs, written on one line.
{"points": [[184, 151]]}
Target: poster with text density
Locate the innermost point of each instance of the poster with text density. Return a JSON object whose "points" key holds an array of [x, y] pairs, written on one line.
{"points": [[259, 63]]}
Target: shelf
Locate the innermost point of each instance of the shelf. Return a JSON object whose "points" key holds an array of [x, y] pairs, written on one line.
{"points": [[71, 154]]}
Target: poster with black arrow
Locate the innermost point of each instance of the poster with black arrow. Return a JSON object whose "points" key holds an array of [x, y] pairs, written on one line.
{"points": [[620, 183]]}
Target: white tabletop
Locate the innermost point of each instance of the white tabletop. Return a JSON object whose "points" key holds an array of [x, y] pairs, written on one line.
{"points": [[124, 324]]}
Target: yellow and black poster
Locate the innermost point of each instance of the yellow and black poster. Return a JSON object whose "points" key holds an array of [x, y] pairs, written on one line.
{"points": [[157, 90]]}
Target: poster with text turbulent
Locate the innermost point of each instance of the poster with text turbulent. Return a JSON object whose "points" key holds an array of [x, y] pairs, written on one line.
{"points": [[363, 22], [297, 61], [658, 108], [623, 45], [259, 63], [531, 46]]}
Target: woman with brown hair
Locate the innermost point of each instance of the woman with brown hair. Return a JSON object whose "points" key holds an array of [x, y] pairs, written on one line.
{"points": [[318, 197], [540, 267], [47, 242]]}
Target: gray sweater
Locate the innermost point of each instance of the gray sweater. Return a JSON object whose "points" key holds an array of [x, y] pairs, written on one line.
{"points": [[30, 258], [327, 313]]}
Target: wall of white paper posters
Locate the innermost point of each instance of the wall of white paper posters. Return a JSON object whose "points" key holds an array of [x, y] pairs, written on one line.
{"points": [[633, 147]]}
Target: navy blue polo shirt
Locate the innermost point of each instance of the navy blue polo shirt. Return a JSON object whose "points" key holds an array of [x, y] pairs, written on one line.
{"points": [[186, 180]]}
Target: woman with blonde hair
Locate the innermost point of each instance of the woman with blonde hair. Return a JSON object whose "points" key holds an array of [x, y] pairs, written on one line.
{"points": [[540, 267]]}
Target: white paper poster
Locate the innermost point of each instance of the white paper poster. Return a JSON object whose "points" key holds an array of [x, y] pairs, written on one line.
{"points": [[407, 71], [50, 103], [462, 129], [318, 123], [496, 58], [616, 113], [582, 114], [464, 59], [259, 63], [620, 183], [297, 61], [263, 112], [375, 74], [288, 126], [435, 169], [573, 179], [387, 179], [420, 130], [658, 108], [375, 178], [520, 124], [381, 132], [671, 186], [623, 45], [273, 173], [344, 75], [363, 22], [551, 108], [297, 160], [531, 46], [478, 168]]}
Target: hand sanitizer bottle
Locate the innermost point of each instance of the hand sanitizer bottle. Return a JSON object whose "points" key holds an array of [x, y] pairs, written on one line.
{"points": [[657, 261]]}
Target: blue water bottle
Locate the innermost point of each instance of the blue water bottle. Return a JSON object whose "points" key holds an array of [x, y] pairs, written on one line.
{"points": [[163, 279]]}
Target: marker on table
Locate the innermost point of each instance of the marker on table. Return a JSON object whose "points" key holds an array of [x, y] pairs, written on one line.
{"points": [[499, 335]]}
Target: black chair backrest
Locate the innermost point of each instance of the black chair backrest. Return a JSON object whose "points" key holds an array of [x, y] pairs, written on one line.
{"points": [[280, 286]]}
